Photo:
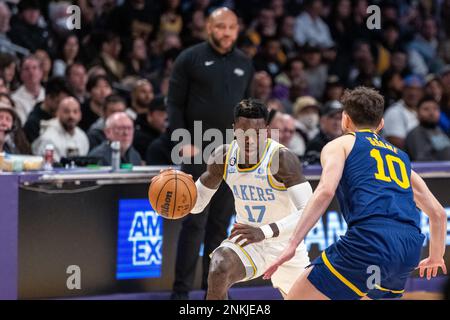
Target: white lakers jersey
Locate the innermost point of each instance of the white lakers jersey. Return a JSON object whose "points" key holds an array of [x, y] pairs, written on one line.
{"points": [[259, 198]]}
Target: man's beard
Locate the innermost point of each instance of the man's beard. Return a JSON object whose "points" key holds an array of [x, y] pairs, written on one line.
{"points": [[217, 43], [68, 127], [428, 124]]}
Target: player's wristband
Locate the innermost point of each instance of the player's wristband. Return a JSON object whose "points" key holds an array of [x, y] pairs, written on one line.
{"points": [[267, 230], [270, 230]]}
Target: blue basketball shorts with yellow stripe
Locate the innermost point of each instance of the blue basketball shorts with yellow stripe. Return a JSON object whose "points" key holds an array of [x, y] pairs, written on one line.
{"points": [[373, 259]]}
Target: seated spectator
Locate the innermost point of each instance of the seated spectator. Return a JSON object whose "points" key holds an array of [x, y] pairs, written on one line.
{"points": [[159, 152], [424, 49], [271, 58], [7, 117], [299, 88], [427, 141], [150, 126], [195, 31], [118, 127], [17, 140], [137, 64], [170, 19], [99, 88], [8, 70], [68, 54], [46, 64], [316, 72], [26, 30], [433, 87], [286, 30], [366, 76], [264, 26], [401, 117], [334, 89], [391, 87], [77, 78], [293, 70], [56, 89], [310, 28], [108, 59], [399, 62], [141, 96], [136, 18], [330, 129], [282, 128], [275, 104], [249, 48], [6, 46], [31, 91], [306, 115], [63, 133], [262, 86], [96, 133]]}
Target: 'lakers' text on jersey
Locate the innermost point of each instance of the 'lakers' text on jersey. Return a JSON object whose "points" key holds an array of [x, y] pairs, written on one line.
{"points": [[259, 198]]}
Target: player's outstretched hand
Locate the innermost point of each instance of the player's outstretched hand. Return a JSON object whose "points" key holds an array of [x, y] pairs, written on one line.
{"points": [[248, 233], [287, 255], [431, 266]]}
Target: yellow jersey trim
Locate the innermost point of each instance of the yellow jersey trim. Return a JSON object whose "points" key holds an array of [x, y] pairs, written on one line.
{"points": [[269, 141], [389, 290], [225, 167], [249, 259], [341, 277], [272, 181]]}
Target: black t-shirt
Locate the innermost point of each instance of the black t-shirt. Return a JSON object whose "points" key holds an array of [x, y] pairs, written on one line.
{"points": [[144, 135], [88, 116], [32, 126]]}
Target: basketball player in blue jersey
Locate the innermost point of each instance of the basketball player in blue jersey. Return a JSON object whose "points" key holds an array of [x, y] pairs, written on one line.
{"points": [[270, 193], [378, 193]]}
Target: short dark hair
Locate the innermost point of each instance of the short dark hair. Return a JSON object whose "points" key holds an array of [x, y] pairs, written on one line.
{"points": [[73, 65], [426, 98], [92, 81], [57, 85], [113, 98], [365, 106], [252, 109]]}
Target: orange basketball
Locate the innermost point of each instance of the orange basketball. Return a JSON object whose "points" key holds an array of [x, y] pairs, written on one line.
{"points": [[172, 194]]}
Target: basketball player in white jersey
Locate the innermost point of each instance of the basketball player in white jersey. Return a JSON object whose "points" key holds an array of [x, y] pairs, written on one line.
{"points": [[270, 193]]}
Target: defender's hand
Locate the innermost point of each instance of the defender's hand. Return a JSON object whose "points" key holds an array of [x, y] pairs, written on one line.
{"points": [[431, 266], [246, 232]]}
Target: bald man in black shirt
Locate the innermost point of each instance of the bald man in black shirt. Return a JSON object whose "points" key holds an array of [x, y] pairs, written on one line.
{"points": [[207, 81]]}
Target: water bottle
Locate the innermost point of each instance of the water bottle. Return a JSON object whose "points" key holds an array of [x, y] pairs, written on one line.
{"points": [[115, 155], [49, 153]]}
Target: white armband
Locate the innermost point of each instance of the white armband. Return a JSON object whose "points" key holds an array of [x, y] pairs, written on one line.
{"points": [[204, 195], [299, 195], [267, 230]]}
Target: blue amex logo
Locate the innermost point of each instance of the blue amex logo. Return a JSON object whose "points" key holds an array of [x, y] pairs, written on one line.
{"points": [[139, 245]]}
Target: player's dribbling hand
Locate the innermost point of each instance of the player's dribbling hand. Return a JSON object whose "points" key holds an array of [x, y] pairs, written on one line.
{"points": [[248, 233], [287, 255], [431, 266]]}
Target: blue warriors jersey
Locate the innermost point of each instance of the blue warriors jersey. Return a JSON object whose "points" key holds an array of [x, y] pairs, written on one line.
{"points": [[376, 182]]}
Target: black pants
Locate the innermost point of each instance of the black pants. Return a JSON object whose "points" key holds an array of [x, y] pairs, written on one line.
{"points": [[210, 226]]}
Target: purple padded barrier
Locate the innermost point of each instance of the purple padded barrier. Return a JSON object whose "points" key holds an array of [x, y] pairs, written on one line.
{"points": [[9, 226]]}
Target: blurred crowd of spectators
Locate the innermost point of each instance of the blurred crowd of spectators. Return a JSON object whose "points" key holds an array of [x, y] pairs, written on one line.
{"points": [[78, 89]]}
